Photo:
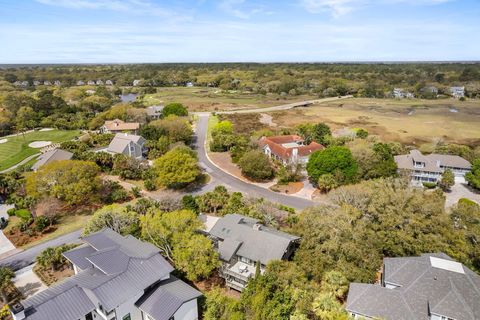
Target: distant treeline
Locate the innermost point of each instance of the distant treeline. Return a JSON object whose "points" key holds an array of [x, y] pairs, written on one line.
{"points": [[361, 79]]}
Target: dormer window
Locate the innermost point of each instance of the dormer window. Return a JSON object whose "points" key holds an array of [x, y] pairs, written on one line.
{"points": [[418, 164]]}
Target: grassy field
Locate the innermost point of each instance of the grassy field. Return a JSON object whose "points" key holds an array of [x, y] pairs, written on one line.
{"points": [[212, 99], [408, 121], [16, 148]]}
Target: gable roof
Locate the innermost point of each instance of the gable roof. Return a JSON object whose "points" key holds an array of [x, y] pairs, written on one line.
{"points": [[50, 156], [120, 125], [155, 110], [162, 301], [122, 140], [279, 145], [247, 238], [430, 283]]}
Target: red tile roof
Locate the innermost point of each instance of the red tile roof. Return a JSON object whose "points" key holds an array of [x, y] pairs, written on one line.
{"points": [[276, 146]]}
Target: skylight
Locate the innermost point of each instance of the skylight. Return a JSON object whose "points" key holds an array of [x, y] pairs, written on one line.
{"points": [[447, 265]]}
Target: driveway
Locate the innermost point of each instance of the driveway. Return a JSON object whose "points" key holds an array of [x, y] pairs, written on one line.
{"points": [[6, 247], [27, 282], [461, 190]]}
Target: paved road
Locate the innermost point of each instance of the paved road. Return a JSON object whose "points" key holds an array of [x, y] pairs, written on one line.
{"points": [[234, 183], [286, 106], [27, 257]]}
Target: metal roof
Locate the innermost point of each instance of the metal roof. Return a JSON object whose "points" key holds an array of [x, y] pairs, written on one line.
{"points": [[258, 243], [166, 298], [50, 156], [432, 161]]}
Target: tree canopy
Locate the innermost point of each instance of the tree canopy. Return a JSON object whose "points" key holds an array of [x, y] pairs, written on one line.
{"points": [[176, 109], [334, 160], [176, 168]]}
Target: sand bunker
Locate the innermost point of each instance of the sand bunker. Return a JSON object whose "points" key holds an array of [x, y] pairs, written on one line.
{"points": [[47, 129], [3, 141], [39, 144]]}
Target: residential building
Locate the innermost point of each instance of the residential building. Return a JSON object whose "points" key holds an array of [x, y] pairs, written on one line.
{"points": [[51, 156], [116, 278], [109, 83], [47, 83], [399, 93], [289, 148], [429, 168], [99, 83], [91, 82], [36, 83], [155, 112], [117, 125], [57, 83], [242, 242], [432, 286], [189, 84], [136, 82], [128, 144], [457, 92], [80, 83]]}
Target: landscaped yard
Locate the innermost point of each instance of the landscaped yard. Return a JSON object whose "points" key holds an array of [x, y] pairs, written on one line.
{"points": [[212, 99], [16, 148]]}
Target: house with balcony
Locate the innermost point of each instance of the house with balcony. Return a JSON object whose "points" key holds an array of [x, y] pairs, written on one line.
{"points": [[429, 168], [288, 149], [457, 92], [116, 278], [399, 93], [242, 242], [432, 286], [155, 112]]}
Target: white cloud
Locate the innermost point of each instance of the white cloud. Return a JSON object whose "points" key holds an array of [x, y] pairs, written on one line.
{"points": [[340, 7], [241, 9]]}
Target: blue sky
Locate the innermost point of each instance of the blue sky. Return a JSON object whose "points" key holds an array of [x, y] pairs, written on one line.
{"points": [[116, 31]]}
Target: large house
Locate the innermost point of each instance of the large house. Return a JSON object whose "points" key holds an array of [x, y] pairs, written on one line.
{"points": [[430, 287], [51, 156], [399, 93], [457, 92], [117, 125], [429, 168], [155, 112], [128, 144], [116, 278], [289, 148], [242, 242]]}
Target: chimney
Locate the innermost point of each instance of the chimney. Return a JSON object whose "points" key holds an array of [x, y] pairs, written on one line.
{"points": [[17, 310], [295, 153]]}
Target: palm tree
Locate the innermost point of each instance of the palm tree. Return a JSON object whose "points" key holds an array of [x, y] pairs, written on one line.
{"points": [[6, 276]]}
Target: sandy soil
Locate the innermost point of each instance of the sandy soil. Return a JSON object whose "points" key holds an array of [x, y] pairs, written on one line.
{"points": [[39, 144], [3, 140]]}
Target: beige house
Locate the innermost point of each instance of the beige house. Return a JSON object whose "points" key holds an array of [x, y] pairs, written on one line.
{"points": [[117, 126]]}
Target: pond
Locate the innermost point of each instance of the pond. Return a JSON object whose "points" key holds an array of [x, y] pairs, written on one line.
{"points": [[131, 97]]}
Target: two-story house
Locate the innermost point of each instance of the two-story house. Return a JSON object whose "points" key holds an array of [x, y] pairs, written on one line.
{"points": [[429, 168], [457, 92], [128, 144], [116, 278], [155, 112], [431, 287], [288, 148], [242, 242]]}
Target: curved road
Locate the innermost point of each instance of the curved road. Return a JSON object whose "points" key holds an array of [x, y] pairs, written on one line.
{"points": [[221, 177]]}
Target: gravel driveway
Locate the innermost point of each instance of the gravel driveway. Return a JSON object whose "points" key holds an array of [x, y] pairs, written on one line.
{"points": [[461, 190]]}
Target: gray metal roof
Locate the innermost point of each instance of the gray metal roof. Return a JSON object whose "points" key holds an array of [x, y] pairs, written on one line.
{"points": [[258, 244], [120, 268], [424, 287], [122, 140], [50, 156], [227, 248], [155, 110], [166, 298]]}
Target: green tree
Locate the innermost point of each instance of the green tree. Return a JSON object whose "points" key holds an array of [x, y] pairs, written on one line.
{"points": [[326, 307], [25, 119], [473, 177], [73, 181], [333, 160], [362, 133], [447, 181], [176, 168], [218, 306], [6, 276], [214, 201], [320, 132], [116, 217], [175, 108], [52, 257], [256, 165], [222, 137], [327, 182]]}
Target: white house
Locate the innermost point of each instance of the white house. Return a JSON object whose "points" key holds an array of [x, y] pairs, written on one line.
{"points": [[429, 168], [457, 92], [432, 287], [80, 83], [109, 83], [399, 93], [116, 278]]}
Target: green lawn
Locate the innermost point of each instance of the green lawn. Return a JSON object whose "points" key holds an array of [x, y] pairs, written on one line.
{"points": [[16, 148]]}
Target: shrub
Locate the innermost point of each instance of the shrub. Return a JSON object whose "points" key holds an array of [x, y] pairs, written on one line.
{"points": [[136, 192], [362, 133], [429, 185], [327, 182], [256, 165], [41, 223], [175, 108], [11, 212], [150, 185], [335, 160], [23, 214]]}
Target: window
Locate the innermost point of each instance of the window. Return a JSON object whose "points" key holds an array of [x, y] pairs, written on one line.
{"points": [[127, 317]]}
